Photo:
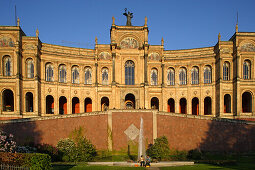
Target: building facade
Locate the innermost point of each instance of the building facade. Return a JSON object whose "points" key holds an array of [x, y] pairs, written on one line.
{"points": [[39, 79]]}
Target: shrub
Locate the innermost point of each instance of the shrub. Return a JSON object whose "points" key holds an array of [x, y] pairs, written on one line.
{"points": [[7, 144], [40, 161], [177, 155], [76, 148], [194, 154], [68, 149], [50, 150], [33, 160], [160, 149], [25, 149]]}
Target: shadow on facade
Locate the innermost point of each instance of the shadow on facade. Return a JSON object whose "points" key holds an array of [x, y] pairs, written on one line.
{"points": [[229, 137], [25, 133]]}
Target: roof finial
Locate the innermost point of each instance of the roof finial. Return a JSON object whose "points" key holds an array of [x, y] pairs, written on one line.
{"points": [[96, 40], [113, 20], [219, 37], [18, 22], [145, 21], [237, 21], [37, 32], [162, 41]]}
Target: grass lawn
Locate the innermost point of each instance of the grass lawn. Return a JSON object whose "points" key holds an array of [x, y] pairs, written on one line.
{"points": [[243, 163]]}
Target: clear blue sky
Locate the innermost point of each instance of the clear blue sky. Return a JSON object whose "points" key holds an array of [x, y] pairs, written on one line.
{"points": [[184, 24]]}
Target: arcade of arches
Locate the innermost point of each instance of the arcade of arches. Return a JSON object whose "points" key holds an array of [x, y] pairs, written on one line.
{"points": [[130, 103]]}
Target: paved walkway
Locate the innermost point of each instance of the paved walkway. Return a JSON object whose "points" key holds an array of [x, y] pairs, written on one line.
{"points": [[154, 166]]}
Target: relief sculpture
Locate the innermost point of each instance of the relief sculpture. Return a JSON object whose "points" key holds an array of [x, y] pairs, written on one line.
{"points": [[6, 42], [248, 47], [129, 43]]}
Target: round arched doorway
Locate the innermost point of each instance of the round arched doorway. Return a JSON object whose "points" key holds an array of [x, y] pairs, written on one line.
{"points": [[130, 101]]}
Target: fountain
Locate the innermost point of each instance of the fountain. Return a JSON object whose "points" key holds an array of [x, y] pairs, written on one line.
{"points": [[141, 144]]}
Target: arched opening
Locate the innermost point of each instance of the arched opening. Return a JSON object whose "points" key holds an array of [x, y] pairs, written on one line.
{"points": [[207, 106], [88, 105], [183, 106], [227, 103], [154, 103], [130, 101], [62, 105], [195, 106], [29, 102], [49, 104], [170, 105], [75, 105], [246, 102], [104, 103], [8, 101]]}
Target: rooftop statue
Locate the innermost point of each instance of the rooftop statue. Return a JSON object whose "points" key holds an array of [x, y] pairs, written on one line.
{"points": [[129, 16]]}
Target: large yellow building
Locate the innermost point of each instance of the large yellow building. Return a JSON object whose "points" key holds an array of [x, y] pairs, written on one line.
{"points": [[39, 79]]}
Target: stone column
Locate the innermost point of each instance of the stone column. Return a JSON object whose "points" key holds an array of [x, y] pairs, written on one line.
{"points": [[145, 69], [96, 81], [163, 68], [113, 68]]}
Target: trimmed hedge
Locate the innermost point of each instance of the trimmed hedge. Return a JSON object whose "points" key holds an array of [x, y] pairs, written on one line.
{"points": [[32, 160]]}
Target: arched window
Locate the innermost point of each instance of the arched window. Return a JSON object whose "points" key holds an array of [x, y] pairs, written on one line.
{"points": [[129, 73], [49, 72], [88, 77], [7, 66], [154, 77], [62, 74], [226, 71], [170, 76], [8, 101], [30, 68], [207, 75], [247, 69], [75, 75], [182, 76], [194, 75], [105, 76], [29, 102]]}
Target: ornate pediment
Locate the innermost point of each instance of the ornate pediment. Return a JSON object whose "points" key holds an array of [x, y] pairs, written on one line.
{"points": [[6, 41], [129, 43], [248, 47], [104, 56]]}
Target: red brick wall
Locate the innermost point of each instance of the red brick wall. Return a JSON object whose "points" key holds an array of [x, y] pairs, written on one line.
{"points": [[182, 133], [122, 120], [52, 130], [190, 133]]}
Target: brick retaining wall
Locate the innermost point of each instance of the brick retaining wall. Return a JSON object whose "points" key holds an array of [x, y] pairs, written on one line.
{"points": [[106, 130]]}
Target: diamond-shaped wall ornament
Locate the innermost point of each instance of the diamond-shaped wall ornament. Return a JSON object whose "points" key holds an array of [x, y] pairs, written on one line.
{"points": [[132, 132]]}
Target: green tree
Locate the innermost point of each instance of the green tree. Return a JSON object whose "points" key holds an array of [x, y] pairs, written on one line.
{"points": [[160, 149]]}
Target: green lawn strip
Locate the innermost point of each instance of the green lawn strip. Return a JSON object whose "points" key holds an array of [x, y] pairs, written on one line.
{"points": [[196, 167]]}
